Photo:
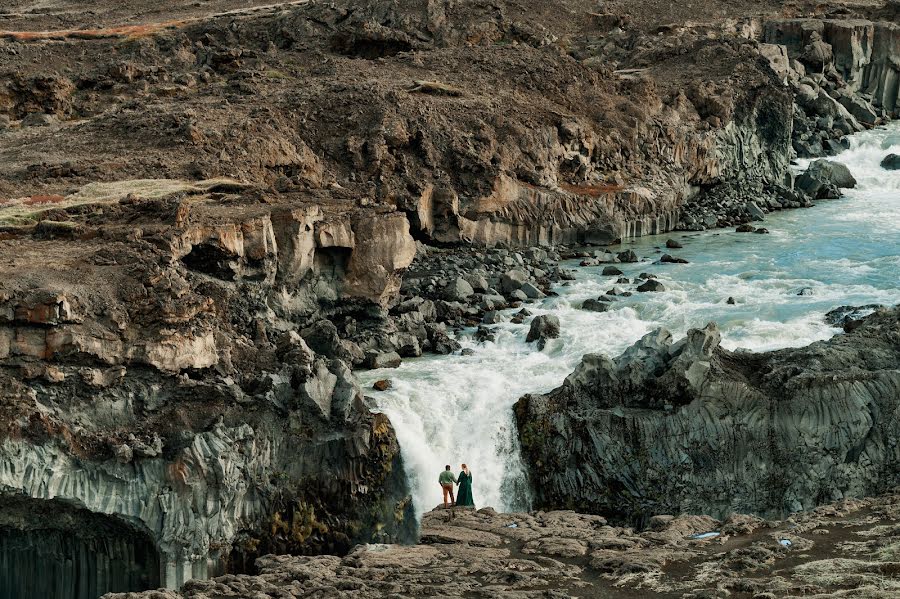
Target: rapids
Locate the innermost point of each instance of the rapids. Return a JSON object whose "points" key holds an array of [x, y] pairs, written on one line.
{"points": [[458, 408]]}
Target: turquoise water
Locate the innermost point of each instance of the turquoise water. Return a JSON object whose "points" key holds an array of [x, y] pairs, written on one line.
{"points": [[453, 409]]}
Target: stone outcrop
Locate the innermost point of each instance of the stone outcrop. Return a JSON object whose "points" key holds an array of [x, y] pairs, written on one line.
{"points": [[465, 553], [688, 427], [155, 379]]}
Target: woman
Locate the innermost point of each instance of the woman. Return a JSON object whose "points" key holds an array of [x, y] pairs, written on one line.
{"points": [[464, 493]]}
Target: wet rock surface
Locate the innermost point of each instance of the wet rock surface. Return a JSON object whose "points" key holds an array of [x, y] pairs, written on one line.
{"points": [[687, 427], [843, 549]]}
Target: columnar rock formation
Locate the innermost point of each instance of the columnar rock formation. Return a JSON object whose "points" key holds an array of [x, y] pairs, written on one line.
{"points": [[688, 427]]}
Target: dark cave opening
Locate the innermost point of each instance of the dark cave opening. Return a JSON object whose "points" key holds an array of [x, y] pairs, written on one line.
{"points": [[50, 550], [211, 259]]}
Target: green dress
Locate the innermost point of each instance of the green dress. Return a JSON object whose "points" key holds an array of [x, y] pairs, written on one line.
{"points": [[464, 493]]}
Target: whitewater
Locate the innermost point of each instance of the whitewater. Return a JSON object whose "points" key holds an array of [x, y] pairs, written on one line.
{"points": [[458, 408]]}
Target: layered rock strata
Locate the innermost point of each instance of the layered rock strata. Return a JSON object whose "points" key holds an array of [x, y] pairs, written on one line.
{"points": [[687, 427]]}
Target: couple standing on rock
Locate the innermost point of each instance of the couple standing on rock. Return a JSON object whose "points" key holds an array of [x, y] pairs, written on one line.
{"points": [[464, 496]]}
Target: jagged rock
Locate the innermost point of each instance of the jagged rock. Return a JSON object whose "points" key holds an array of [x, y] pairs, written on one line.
{"points": [[382, 385], [666, 426], [543, 327], [755, 211], [627, 256], [532, 292]]}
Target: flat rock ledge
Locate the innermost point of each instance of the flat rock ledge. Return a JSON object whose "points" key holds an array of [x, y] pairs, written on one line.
{"points": [[847, 547]]}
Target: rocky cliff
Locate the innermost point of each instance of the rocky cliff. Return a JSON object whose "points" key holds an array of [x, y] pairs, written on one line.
{"points": [[687, 427], [154, 380], [576, 126]]}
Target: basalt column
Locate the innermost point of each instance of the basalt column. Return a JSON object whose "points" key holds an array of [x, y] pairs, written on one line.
{"points": [[49, 550]]}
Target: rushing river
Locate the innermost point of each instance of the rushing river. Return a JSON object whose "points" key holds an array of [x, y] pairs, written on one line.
{"points": [[453, 409]]}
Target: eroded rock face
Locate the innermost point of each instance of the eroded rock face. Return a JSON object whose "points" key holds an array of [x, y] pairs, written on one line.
{"points": [[688, 427], [155, 374]]}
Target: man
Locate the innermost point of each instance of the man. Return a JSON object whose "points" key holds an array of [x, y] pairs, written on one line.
{"points": [[447, 480]]}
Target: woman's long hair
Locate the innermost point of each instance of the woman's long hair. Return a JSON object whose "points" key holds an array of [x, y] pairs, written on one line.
{"points": [[466, 470]]}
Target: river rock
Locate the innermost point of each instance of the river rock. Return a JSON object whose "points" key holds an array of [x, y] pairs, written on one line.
{"points": [[543, 327], [745, 228], [531, 291], [651, 285], [891, 162], [627, 256], [755, 211], [823, 177], [611, 271], [673, 245], [667, 259], [595, 305], [375, 359], [666, 426], [492, 317], [513, 280]]}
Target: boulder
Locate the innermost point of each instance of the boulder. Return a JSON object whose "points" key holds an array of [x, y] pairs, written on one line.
{"points": [[595, 305], [611, 271], [891, 162], [627, 256], [543, 327], [651, 285], [376, 359], [673, 245], [492, 317], [822, 173], [531, 291], [458, 290], [512, 280], [755, 211]]}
